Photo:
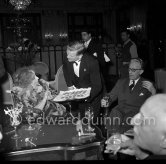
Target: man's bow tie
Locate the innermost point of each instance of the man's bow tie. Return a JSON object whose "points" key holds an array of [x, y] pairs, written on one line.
{"points": [[76, 62]]}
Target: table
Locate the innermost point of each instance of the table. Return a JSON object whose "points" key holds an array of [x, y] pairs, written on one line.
{"points": [[53, 142]]}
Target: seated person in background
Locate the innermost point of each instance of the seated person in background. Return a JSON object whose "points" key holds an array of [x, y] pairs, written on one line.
{"points": [[131, 94], [149, 140], [31, 92]]}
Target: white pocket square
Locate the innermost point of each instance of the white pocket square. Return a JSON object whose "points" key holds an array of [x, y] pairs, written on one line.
{"points": [[95, 54], [141, 94]]}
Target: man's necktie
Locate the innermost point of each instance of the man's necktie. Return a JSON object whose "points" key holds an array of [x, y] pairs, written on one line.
{"points": [[132, 85], [76, 62]]}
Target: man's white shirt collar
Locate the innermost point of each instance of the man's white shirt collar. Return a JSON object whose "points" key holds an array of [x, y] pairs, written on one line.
{"points": [[76, 67], [131, 81], [87, 43]]}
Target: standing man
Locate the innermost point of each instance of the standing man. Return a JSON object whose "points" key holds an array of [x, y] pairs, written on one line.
{"points": [[94, 49], [129, 51], [82, 71]]}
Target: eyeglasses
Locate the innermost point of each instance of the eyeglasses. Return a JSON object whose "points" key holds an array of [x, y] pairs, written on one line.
{"points": [[133, 70]]}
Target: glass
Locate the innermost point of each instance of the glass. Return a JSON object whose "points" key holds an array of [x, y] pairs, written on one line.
{"points": [[106, 98], [113, 141], [89, 114], [15, 121], [29, 117]]}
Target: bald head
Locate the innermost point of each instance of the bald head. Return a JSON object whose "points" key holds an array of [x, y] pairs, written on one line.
{"points": [[150, 133], [156, 103]]}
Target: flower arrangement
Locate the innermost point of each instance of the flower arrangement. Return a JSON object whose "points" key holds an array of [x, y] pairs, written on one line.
{"points": [[14, 114]]}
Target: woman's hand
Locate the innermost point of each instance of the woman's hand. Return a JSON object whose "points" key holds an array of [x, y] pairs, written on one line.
{"points": [[45, 84]]}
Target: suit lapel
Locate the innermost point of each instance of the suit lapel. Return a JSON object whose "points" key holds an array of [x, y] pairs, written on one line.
{"points": [[71, 70], [89, 48], [82, 65], [126, 84], [137, 86]]}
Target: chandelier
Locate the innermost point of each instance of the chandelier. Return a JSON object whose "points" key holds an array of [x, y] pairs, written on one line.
{"points": [[20, 4]]}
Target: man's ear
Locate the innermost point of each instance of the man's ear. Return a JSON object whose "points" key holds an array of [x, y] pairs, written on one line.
{"points": [[141, 72]]}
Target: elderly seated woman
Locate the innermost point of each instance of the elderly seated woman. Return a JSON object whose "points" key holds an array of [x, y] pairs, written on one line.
{"points": [[33, 93]]}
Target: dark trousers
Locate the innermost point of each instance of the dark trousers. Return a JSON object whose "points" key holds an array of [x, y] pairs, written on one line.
{"points": [[120, 119]]}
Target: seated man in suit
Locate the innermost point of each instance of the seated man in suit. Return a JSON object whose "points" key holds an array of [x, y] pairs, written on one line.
{"points": [[131, 94], [82, 71], [149, 140]]}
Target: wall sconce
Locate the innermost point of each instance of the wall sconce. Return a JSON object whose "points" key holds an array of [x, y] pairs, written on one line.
{"points": [[63, 35], [135, 28], [48, 36]]}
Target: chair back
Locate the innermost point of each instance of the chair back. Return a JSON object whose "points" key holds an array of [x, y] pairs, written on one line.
{"points": [[60, 80], [7, 85], [41, 70]]}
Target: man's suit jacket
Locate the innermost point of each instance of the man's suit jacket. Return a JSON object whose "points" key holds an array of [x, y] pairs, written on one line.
{"points": [[127, 99], [95, 47], [156, 157], [89, 76]]}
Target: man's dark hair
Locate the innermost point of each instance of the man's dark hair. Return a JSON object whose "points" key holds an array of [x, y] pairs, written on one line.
{"points": [[126, 31], [89, 31]]}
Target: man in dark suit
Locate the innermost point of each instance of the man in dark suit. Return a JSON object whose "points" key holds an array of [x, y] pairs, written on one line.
{"points": [[149, 140], [94, 48], [131, 94], [82, 71]]}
